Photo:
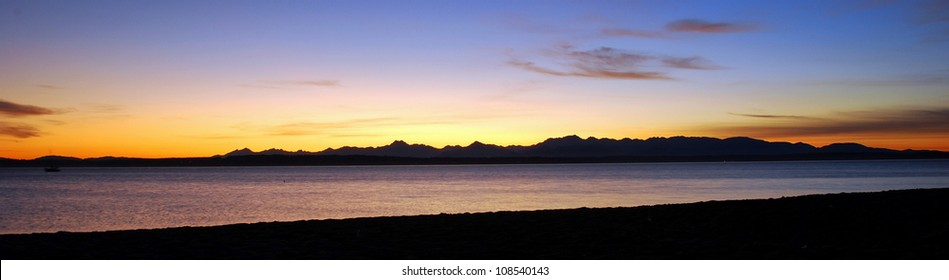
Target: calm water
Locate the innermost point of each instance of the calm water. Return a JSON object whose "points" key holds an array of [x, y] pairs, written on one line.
{"points": [[94, 199]]}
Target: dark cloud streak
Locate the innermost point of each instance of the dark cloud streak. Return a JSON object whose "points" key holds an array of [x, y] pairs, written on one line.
{"points": [[914, 121], [17, 130], [17, 110], [702, 26], [590, 72], [680, 26], [772, 116], [624, 32], [692, 62], [610, 63]]}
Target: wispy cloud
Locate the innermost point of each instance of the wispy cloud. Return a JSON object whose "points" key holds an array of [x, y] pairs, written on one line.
{"points": [[302, 128], [18, 130], [763, 116], [370, 126], [884, 122], [356, 135], [16, 110], [262, 86], [702, 26], [287, 84], [318, 83], [692, 62], [104, 108], [679, 26], [610, 63], [317, 128], [582, 71], [217, 136], [604, 62], [625, 32], [613, 63]]}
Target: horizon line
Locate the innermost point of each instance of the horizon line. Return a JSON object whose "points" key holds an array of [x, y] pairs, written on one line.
{"points": [[469, 145]]}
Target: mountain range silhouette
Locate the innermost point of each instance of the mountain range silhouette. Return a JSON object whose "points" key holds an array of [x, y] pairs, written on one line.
{"points": [[568, 149], [573, 146]]}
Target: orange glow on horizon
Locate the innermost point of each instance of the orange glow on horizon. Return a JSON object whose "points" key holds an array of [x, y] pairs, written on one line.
{"points": [[176, 148]]}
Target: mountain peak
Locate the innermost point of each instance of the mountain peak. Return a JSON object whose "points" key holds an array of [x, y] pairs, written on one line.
{"points": [[242, 152], [398, 143], [566, 140], [850, 148]]}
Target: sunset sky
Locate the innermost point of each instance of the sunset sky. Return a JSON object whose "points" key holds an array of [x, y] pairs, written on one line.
{"points": [[198, 78]]}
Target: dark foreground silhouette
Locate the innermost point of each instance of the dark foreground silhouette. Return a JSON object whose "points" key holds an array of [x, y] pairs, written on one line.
{"points": [[569, 149], [908, 224]]}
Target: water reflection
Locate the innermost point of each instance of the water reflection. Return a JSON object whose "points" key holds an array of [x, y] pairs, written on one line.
{"points": [[88, 199]]}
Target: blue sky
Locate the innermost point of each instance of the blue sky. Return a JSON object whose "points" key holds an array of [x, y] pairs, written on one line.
{"points": [[182, 78]]}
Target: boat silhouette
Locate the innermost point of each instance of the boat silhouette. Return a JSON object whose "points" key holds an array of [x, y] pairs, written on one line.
{"points": [[52, 167]]}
